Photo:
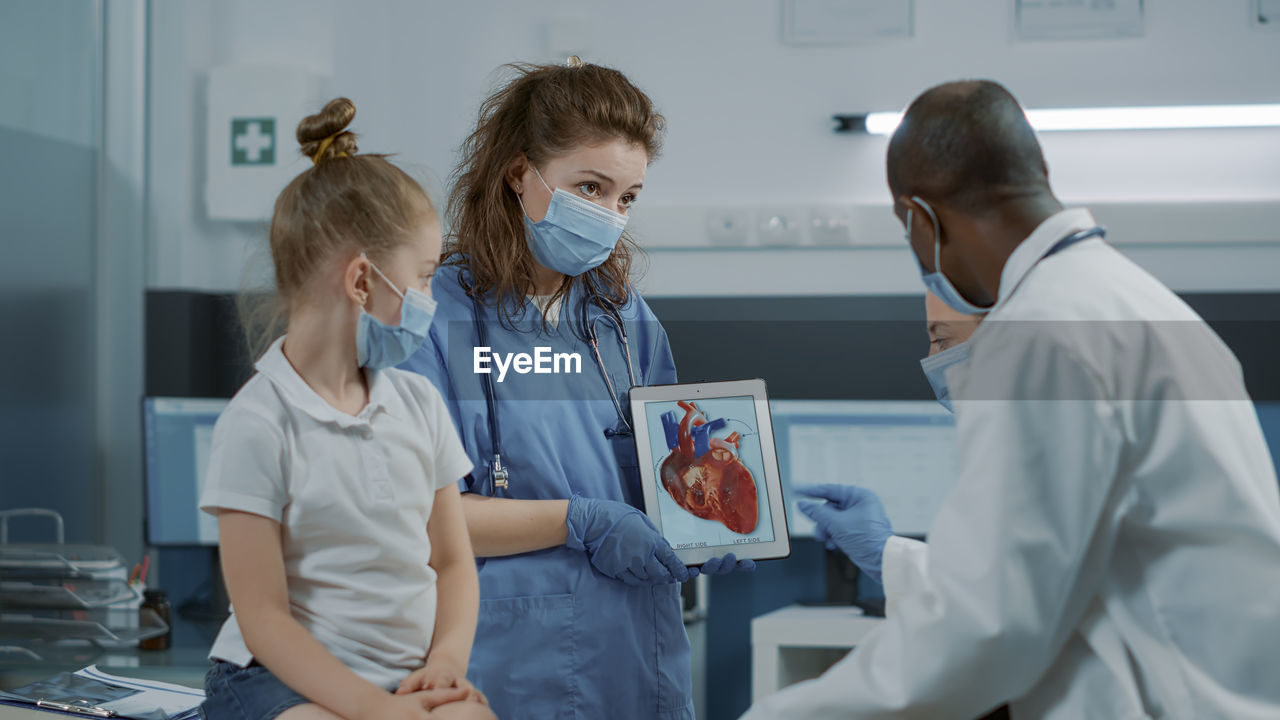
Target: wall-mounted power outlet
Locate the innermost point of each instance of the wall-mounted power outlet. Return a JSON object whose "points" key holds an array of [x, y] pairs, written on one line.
{"points": [[781, 226], [729, 226], [831, 226]]}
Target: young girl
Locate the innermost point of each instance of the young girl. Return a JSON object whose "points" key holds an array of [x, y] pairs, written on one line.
{"points": [[333, 477], [580, 597]]}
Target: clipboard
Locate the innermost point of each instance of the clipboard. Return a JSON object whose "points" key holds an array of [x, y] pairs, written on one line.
{"points": [[93, 693]]}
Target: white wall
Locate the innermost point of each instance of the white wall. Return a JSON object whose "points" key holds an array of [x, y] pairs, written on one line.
{"points": [[749, 117], [47, 69]]}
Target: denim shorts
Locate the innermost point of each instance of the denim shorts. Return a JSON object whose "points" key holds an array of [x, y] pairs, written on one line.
{"points": [[248, 693]]}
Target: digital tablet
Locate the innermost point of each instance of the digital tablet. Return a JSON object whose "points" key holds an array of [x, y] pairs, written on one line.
{"points": [[710, 470]]}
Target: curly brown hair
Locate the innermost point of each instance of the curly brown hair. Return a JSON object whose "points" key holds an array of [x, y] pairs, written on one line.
{"points": [[545, 111]]}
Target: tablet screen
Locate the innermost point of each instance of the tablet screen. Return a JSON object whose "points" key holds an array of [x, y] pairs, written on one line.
{"points": [[709, 472]]}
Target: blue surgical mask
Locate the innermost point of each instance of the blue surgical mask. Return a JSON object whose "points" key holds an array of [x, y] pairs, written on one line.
{"points": [[935, 281], [935, 370], [576, 235], [379, 345]]}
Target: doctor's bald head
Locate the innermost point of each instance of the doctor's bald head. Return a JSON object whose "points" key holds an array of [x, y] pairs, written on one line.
{"points": [[966, 145]]}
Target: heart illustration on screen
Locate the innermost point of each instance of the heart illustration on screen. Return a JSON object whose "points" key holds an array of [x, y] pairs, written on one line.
{"points": [[704, 473]]}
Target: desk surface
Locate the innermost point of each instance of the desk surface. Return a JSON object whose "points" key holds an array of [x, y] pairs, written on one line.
{"points": [[183, 664], [812, 626], [799, 642]]}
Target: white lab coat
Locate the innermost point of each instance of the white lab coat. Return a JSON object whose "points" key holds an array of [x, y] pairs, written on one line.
{"points": [[1111, 548]]}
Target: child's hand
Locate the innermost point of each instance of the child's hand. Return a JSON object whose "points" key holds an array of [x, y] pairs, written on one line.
{"points": [[463, 711], [440, 674], [434, 675], [415, 705]]}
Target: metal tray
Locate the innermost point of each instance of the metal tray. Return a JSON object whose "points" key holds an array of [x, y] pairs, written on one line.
{"points": [[104, 626], [66, 593]]}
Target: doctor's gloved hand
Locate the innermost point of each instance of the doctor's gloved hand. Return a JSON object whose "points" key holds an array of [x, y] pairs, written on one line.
{"points": [[621, 542], [723, 565], [852, 519]]}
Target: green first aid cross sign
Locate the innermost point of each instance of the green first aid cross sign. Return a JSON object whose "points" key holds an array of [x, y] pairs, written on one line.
{"points": [[253, 141]]}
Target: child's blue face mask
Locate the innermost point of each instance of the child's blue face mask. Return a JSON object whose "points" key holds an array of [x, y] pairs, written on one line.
{"points": [[576, 234], [379, 345]]}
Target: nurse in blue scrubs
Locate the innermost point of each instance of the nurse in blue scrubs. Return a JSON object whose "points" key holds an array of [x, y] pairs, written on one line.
{"points": [[538, 336]]}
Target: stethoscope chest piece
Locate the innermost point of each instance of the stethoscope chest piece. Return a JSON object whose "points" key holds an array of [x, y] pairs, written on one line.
{"points": [[500, 474]]}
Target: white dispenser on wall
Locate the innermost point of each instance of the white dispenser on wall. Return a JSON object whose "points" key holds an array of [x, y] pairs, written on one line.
{"points": [[251, 152]]}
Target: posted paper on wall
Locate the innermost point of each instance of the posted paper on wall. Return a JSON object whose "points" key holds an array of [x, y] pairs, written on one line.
{"points": [[1077, 19], [845, 22]]}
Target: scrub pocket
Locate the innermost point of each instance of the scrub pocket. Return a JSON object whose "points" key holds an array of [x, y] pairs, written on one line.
{"points": [[623, 444], [524, 658], [673, 662]]}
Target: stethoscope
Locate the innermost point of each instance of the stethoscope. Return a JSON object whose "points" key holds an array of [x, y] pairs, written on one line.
{"points": [[1074, 238], [1068, 241], [610, 313], [499, 476]]}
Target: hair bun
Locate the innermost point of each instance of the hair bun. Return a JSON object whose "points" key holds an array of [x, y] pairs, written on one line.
{"points": [[323, 136]]}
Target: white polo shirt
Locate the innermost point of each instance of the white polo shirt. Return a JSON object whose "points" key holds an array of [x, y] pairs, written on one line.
{"points": [[352, 496]]}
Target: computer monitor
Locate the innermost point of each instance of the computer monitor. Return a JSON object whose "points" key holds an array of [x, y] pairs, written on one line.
{"points": [[177, 435], [904, 450]]}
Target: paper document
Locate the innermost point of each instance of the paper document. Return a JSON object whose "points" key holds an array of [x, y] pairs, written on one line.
{"points": [[124, 696], [176, 700]]}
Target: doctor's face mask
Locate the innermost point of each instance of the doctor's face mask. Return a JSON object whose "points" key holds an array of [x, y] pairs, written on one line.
{"points": [[935, 370], [936, 282], [576, 235]]}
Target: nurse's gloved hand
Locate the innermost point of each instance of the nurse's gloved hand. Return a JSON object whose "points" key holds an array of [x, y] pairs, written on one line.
{"points": [[621, 542], [723, 565], [852, 519]]}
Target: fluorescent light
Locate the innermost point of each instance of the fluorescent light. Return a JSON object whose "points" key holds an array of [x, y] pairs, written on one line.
{"points": [[1124, 118], [1154, 118], [883, 123]]}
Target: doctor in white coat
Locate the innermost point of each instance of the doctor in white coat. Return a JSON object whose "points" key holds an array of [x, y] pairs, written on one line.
{"points": [[1111, 548]]}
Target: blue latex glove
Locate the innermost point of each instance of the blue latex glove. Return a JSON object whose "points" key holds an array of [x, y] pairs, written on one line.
{"points": [[852, 519], [723, 565], [621, 542]]}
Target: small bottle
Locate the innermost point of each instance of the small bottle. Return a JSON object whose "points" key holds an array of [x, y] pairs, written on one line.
{"points": [[158, 602]]}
